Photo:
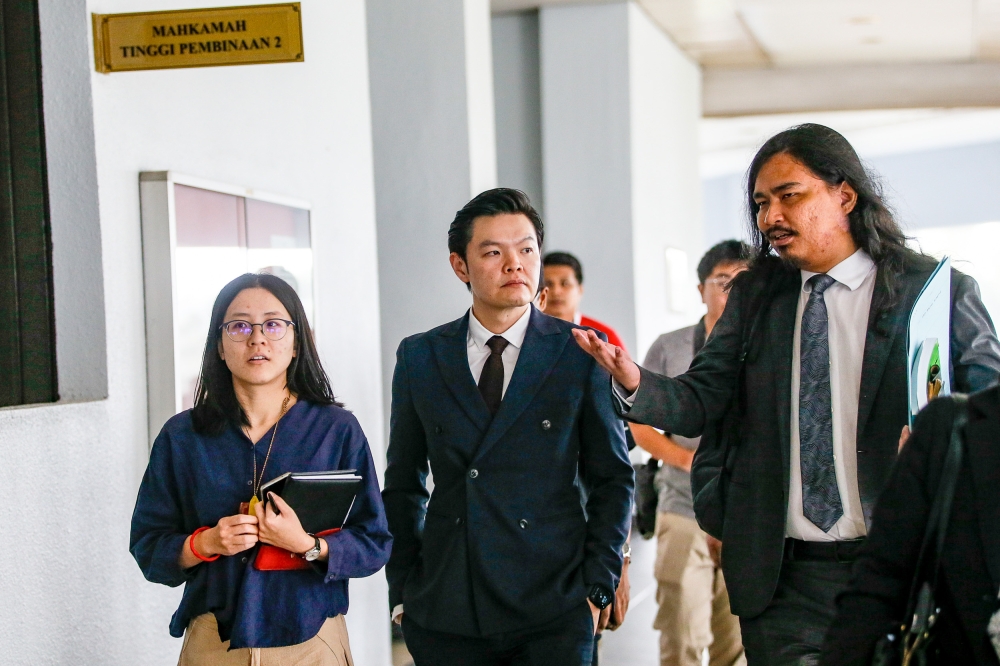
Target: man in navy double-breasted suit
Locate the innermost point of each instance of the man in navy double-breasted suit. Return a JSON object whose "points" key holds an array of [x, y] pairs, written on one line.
{"points": [[505, 563]]}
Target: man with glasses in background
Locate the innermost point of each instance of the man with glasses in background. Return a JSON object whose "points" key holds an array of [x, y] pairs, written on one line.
{"points": [[693, 602]]}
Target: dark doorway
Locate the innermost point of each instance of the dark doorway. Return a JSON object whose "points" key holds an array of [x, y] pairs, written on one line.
{"points": [[27, 351]]}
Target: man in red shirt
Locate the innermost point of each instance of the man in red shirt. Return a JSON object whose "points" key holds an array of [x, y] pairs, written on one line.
{"points": [[562, 291], [564, 280]]}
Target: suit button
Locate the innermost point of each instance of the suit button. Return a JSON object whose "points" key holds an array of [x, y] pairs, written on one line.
{"points": [[458, 521], [523, 523], [473, 473], [244, 560], [546, 424], [438, 430]]}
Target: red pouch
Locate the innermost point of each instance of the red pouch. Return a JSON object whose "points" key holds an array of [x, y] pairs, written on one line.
{"points": [[272, 558]]}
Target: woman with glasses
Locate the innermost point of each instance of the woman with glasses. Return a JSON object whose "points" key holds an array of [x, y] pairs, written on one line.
{"points": [[263, 407]]}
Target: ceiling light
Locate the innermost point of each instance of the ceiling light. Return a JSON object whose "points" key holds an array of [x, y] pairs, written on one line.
{"points": [[868, 19]]}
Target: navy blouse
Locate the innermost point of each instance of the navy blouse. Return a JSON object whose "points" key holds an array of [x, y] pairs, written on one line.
{"points": [[194, 480]]}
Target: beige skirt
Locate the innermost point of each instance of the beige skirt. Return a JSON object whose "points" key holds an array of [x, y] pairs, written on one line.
{"points": [[202, 647]]}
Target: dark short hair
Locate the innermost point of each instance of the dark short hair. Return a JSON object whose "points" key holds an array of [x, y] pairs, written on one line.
{"points": [[726, 252], [564, 259], [498, 201], [830, 157], [215, 403]]}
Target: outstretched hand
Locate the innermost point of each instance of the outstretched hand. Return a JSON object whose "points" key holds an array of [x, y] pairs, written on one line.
{"points": [[613, 359]]}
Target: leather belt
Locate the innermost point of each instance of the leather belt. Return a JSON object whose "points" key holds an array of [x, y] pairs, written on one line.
{"points": [[822, 551]]}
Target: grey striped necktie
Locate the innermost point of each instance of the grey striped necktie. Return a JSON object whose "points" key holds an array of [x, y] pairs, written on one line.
{"points": [[820, 496]]}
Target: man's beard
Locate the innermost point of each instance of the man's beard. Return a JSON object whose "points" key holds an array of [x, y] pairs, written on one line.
{"points": [[791, 262]]}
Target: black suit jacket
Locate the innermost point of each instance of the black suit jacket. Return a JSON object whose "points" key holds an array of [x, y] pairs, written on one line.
{"points": [[876, 598], [753, 530], [505, 542]]}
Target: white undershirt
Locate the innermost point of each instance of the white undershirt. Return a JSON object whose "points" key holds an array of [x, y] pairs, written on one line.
{"points": [[848, 301], [478, 352]]}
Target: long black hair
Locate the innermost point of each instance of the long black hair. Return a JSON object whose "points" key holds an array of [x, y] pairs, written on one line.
{"points": [[215, 403], [872, 224]]}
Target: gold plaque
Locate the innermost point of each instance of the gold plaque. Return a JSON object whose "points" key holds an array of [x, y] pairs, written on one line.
{"points": [[198, 37]]}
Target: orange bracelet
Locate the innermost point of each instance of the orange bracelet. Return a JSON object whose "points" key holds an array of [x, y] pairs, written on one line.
{"points": [[195, 552]]}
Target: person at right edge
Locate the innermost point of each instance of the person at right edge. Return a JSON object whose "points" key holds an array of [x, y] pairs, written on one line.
{"points": [[823, 395], [967, 628]]}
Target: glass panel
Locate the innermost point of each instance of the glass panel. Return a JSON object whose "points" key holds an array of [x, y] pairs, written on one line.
{"points": [[278, 238], [210, 228], [274, 225], [214, 231], [207, 219]]}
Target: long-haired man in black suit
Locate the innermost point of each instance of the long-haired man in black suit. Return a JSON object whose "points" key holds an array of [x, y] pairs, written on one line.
{"points": [[812, 348]]}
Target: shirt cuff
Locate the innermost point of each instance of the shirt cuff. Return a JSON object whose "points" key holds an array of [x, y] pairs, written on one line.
{"points": [[397, 611], [621, 394]]}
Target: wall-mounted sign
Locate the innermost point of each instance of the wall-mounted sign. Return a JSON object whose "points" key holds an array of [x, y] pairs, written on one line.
{"points": [[198, 37]]}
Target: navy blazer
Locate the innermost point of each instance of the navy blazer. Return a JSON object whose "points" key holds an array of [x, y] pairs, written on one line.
{"points": [[505, 542]]}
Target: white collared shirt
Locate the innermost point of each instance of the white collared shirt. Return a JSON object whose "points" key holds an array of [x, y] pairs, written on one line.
{"points": [[848, 301], [478, 352]]}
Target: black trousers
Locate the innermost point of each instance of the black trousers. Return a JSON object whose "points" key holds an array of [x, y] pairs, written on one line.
{"points": [[566, 641], [791, 629]]}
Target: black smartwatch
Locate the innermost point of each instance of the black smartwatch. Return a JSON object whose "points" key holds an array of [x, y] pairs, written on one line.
{"points": [[599, 596]]}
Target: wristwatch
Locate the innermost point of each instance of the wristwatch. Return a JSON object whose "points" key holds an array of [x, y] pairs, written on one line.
{"points": [[627, 551], [313, 553], [599, 596]]}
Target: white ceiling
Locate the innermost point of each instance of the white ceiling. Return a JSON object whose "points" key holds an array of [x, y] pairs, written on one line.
{"points": [[728, 144], [788, 33], [803, 32]]}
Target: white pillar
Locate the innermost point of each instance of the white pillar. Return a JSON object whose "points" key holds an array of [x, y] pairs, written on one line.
{"points": [[620, 111], [434, 146], [518, 103]]}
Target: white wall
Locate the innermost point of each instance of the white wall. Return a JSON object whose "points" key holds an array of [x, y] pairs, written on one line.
{"points": [[434, 147], [586, 153], [76, 596], [620, 110], [665, 106], [517, 91]]}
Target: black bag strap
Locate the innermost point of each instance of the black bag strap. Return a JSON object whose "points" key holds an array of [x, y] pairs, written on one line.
{"points": [[940, 513], [757, 308]]}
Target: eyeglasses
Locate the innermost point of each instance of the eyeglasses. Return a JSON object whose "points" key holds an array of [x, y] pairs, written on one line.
{"points": [[721, 281], [240, 331]]}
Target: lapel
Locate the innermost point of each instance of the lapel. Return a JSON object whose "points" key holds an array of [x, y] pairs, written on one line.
{"points": [[782, 335], [882, 330], [983, 449], [542, 347], [450, 351]]}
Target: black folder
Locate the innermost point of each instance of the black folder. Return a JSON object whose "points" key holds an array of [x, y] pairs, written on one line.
{"points": [[321, 500]]}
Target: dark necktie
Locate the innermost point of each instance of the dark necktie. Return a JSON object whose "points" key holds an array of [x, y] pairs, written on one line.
{"points": [[491, 381], [820, 496]]}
